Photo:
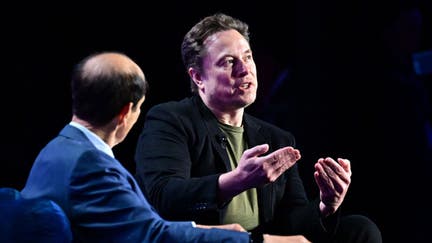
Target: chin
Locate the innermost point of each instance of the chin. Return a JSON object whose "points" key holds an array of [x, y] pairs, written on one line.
{"points": [[251, 99], [248, 102]]}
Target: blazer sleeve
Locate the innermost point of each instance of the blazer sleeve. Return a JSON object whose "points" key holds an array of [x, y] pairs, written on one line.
{"points": [[107, 206]]}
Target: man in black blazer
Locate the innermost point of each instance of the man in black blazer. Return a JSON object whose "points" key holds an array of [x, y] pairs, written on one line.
{"points": [[204, 159]]}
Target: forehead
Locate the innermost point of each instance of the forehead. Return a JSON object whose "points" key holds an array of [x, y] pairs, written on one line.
{"points": [[228, 42]]}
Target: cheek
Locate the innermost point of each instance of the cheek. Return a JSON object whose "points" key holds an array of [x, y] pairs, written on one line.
{"points": [[224, 79], [216, 82], [252, 69]]}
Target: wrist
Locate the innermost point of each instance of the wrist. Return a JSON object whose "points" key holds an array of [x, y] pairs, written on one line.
{"points": [[229, 185], [325, 210]]}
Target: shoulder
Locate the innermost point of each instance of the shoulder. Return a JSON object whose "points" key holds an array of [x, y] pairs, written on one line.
{"points": [[172, 106], [269, 130], [262, 124], [184, 110], [94, 159]]}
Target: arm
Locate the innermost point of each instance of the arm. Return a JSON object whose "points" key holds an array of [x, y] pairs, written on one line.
{"points": [[180, 168], [287, 202], [255, 170]]}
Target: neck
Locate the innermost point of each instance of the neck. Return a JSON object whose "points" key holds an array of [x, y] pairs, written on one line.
{"points": [[101, 131], [232, 118]]}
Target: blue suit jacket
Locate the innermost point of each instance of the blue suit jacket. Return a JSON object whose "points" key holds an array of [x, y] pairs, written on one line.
{"points": [[102, 199]]}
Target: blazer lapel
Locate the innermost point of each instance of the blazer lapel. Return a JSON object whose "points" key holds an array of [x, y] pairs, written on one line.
{"points": [[256, 136], [216, 136]]}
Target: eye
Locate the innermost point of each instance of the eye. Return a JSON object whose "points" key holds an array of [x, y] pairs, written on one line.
{"points": [[229, 61]]}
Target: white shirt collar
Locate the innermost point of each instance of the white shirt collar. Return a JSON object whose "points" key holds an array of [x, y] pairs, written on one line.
{"points": [[94, 139]]}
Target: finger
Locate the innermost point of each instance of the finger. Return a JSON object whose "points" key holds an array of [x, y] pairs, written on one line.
{"points": [[282, 156], [279, 161], [256, 151], [335, 170], [238, 227], [339, 177], [296, 153], [324, 182], [335, 181], [346, 165]]}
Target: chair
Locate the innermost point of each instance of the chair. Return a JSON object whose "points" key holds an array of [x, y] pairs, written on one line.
{"points": [[7, 193], [31, 220]]}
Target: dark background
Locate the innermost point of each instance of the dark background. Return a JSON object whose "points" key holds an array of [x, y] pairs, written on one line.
{"points": [[336, 74]]}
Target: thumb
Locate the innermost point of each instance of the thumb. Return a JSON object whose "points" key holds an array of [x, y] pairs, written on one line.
{"points": [[256, 151]]}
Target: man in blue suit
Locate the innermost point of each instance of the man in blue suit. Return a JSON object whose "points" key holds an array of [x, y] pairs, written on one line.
{"points": [[78, 170]]}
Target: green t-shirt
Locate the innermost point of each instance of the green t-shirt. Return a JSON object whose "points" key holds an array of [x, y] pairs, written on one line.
{"points": [[243, 209]]}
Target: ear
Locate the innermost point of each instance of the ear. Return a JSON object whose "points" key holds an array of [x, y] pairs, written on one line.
{"points": [[196, 77], [124, 112]]}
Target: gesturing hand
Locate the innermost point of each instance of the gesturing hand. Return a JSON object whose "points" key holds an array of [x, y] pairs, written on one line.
{"points": [[260, 170], [253, 170], [333, 179]]}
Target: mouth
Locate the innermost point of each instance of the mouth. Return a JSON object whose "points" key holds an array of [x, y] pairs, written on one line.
{"points": [[245, 85]]}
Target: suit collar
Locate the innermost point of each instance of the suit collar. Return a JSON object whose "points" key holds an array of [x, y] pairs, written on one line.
{"points": [[73, 133]]}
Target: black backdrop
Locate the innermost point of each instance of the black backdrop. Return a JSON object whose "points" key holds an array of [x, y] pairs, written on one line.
{"points": [[335, 74]]}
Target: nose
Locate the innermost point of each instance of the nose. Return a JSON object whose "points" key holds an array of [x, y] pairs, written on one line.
{"points": [[241, 68]]}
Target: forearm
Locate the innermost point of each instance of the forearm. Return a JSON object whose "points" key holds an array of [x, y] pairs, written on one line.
{"points": [[230, 185], [186, 198]]}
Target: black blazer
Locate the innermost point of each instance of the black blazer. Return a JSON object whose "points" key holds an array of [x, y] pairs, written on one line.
{"points": [[181, 153]]}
